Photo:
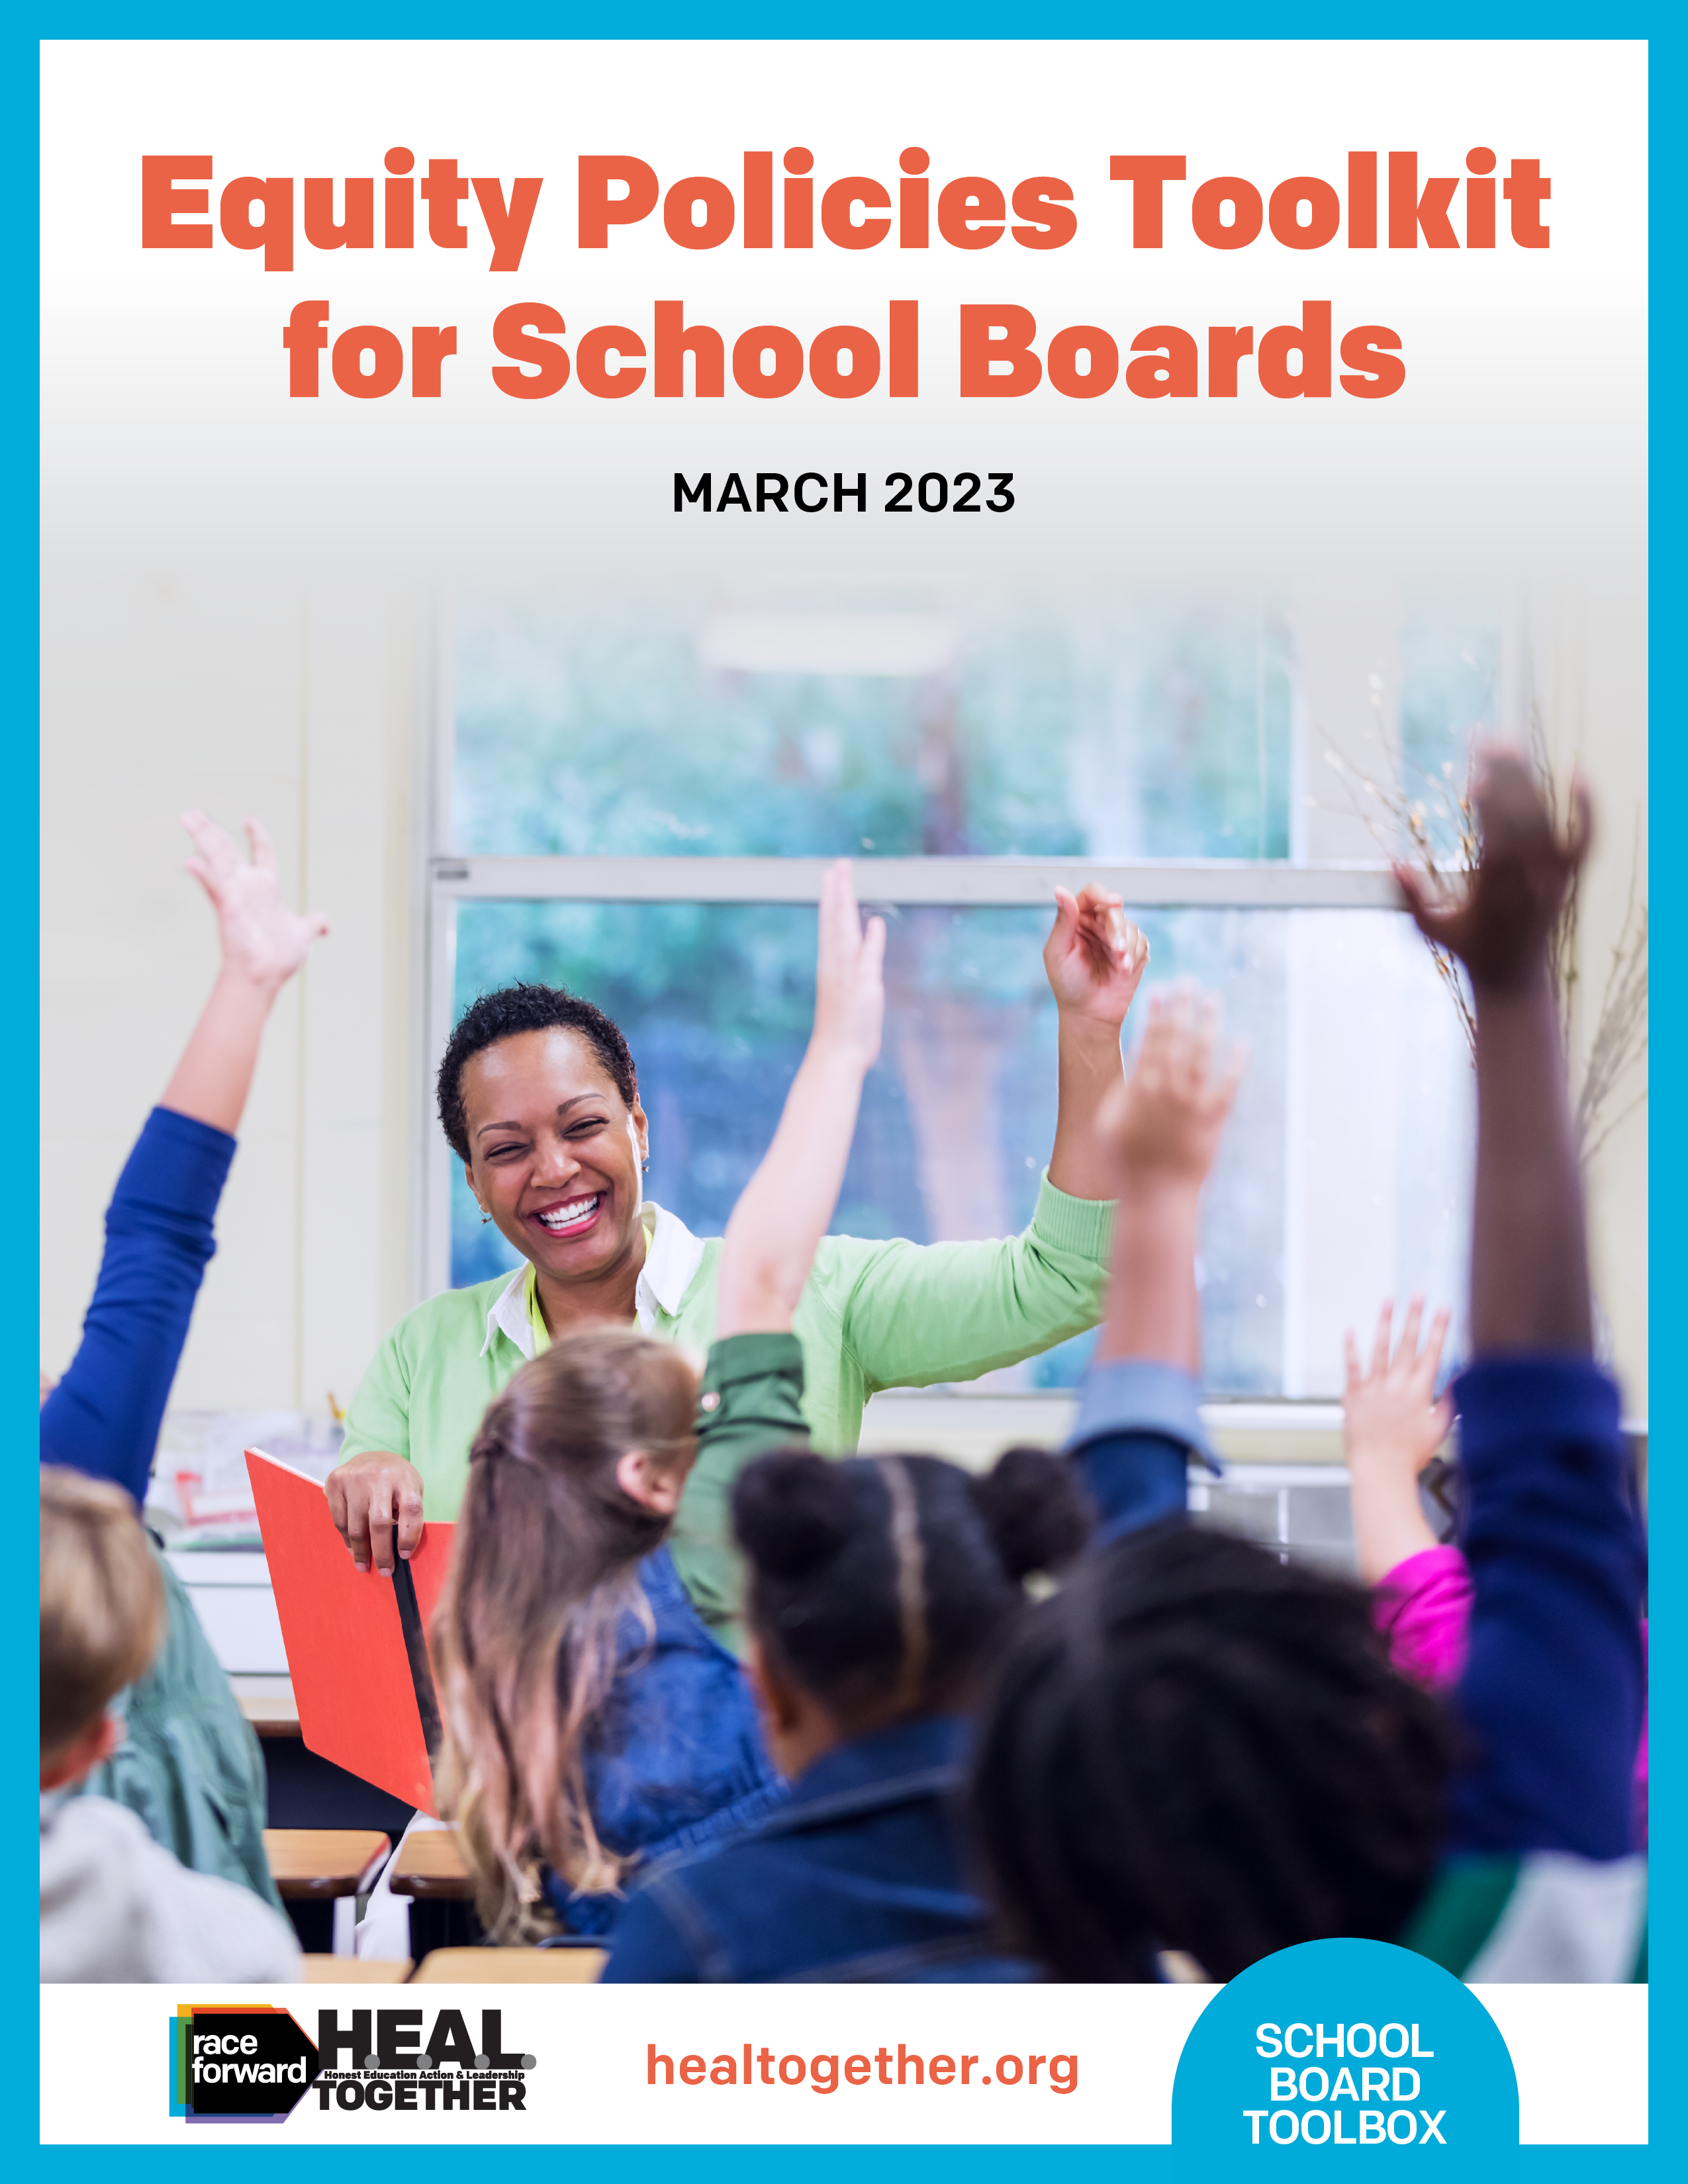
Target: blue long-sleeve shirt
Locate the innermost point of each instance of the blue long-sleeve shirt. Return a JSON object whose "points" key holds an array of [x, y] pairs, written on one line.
{"points": [[1138, 1427], [103, 1417], [1555, 1677]]}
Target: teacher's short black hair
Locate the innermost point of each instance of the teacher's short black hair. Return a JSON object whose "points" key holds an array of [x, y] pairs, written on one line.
{"points": [[490, 1017]]}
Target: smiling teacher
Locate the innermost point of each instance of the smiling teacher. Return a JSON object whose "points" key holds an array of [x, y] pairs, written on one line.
{"points": [[539, 1098]]}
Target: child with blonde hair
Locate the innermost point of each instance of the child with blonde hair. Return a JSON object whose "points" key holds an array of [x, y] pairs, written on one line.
{"points": [[115, 1904]]}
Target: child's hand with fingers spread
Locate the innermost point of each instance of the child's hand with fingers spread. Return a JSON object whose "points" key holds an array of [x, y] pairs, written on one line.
{"points": [[1392, 1425], [1164, 1123], [1500, 930], [849, 982], [263, 941], [1095, 956]]}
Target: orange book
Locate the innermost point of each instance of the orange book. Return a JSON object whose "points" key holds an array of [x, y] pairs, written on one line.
{"points": [[357, 1642]]}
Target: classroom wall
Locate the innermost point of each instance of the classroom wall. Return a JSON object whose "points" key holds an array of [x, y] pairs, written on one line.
{"points": [[311, 708], [245, 695], [1588, 677]]}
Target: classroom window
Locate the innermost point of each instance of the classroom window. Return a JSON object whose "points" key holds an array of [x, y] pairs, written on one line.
{"points": [[641, 802], [667, 727], [957, 1120]]}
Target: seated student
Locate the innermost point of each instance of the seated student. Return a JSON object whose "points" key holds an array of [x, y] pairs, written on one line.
{"points": [[540, 1100], [876, 1588], [1195, 1747], [189, 1764], [114, 1905], [591, 1722]]}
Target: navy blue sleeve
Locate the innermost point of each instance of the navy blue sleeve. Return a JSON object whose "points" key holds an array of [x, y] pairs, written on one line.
{"points": [[647, 1949], [1553, 1690], [103, 1417], [1139, 1425]]}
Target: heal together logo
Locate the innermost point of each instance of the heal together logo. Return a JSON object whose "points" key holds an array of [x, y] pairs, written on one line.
{"points": [[245, 2063]]}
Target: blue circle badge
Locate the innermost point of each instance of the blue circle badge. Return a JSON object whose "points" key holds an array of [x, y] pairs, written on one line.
{"points": [[1345, 2044]]}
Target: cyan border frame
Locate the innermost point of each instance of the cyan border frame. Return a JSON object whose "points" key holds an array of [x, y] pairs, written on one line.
{"points": [[20, 898]]}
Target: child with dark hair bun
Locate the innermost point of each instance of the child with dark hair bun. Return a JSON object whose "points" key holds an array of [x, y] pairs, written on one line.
{"points": [[874, 1587], [877, 1587], [877, 1583]]}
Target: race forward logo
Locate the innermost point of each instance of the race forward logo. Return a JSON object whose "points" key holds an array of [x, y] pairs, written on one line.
{"points": [[246, 2062]]}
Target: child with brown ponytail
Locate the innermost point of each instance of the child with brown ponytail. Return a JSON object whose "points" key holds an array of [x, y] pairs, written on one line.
{"points": [[593, 1722], [590, 1718]]}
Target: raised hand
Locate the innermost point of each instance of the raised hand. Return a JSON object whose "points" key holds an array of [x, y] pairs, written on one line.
{"points": [[1164, 1123], [1094, 957], [849, 983], [263, 941], [1499, 927], [1392, 1425], [1389, 1412]]}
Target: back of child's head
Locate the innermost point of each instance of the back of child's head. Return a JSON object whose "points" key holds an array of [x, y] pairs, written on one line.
{"points": [[1198, 1747], [101, 1601], [551, 1442], [877, 1584], [545, 1566]]}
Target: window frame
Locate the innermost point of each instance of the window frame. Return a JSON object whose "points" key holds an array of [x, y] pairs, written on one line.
{"points": [[1011, 883]]}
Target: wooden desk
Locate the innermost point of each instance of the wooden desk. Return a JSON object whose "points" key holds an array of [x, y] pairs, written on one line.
{"points": [[431, 1868], [516, 1967], [356, 1971], [268, 1704], [313, 1864]]}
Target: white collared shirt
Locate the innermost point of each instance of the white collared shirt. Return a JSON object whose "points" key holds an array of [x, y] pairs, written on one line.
{"points": [[672, 1256]]}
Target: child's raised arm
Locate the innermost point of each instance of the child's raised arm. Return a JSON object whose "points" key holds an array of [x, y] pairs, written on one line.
{"points": [[1139, 1417], [103, 1417], [1529, 1286], [1161, 1129], [1392, 1424], [1552, 1691], [263, 943], [753, 1386], [782, 1212]]}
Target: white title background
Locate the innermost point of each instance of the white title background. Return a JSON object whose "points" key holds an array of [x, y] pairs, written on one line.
{"points": [[1518, 436]]}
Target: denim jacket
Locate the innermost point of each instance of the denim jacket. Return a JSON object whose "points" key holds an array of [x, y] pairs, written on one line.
{"points": [[675, 1758], [857, 1877]]}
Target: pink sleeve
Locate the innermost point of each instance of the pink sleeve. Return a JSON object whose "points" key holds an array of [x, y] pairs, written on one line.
{"points": [[1423, 1607]]}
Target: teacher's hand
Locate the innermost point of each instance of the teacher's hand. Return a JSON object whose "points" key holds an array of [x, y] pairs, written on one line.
{"points": [[1094, 957], [375, 1500]]}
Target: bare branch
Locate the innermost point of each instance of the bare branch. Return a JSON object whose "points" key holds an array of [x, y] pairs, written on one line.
{"points": [[1406, 825]]}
